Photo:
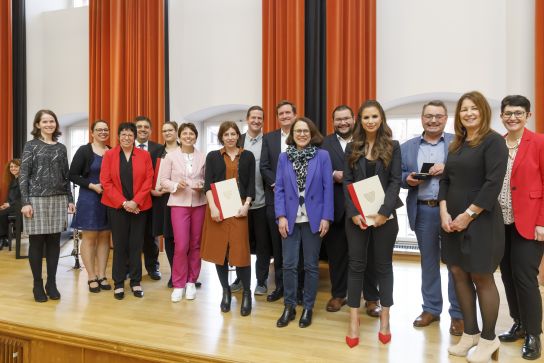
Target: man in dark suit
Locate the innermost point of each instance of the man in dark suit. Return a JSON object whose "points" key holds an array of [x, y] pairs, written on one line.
{"points": [[259, 234], [335, 241], [273, 145], [151, 244], [424, 212]]}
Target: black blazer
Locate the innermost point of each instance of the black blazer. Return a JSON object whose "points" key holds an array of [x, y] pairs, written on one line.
{"points": [[216, 169], [14, 193], [390, 178], [332, 145], [270, 154], [81, 165]]}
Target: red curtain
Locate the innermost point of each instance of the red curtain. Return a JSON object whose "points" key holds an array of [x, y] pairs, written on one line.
{"points": [[539, 66], [283, 56], [126, 41], [6, 91], [351, 53]]}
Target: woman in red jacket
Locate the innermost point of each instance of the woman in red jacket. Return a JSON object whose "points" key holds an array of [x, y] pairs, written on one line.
{"points": [[523, 213], [126, 177]]}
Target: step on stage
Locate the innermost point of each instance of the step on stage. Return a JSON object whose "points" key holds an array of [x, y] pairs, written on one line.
{"points": [[85, 327]]}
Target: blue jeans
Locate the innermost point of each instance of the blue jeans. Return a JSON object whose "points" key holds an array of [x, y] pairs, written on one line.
{"points": [[311, 244], [427, 231]]}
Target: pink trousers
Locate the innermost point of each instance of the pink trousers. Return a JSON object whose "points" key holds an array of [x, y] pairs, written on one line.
{"points": [[187, 224]]}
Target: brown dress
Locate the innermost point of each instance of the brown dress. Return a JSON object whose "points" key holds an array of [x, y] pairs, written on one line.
{"points": [[229, 236]]}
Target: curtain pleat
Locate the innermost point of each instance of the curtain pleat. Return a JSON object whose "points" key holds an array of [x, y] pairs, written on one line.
{"points": [[126, 40], [539, 66], [351, 53], [283, 56], [6, 90], [315, 63]]}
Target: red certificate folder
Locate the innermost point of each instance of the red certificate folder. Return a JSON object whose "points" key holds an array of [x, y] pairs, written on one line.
{"points": [[226, 197]]}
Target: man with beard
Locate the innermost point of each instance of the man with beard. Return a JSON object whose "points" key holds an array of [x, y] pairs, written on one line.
{"points": [[335, 241]]}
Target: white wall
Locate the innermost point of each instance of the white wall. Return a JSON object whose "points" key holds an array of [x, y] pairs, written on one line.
{"points": [[215, 54], [446, 48]]}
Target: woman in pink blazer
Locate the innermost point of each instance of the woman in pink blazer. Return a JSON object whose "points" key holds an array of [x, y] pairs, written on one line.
{"points": [[182, 174], [523, 212]]}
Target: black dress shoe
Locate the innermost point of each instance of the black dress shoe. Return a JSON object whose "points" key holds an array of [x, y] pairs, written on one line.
{"points": [[137, 293], [531, 349], [245, 308], [170, 285], [39, 292], [275, 295], [226, 300], [119, 295], [155, 275], [198, 284], [51, 290], [289, 314], [306, 318], [517, 331]]}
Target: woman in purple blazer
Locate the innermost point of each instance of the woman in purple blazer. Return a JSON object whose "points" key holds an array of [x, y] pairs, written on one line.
{"points": [[304, 209]]}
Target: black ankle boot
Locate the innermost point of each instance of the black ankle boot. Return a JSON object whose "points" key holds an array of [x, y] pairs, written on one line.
{"points": [[517, 331], [38, 291], [51, 289], [289, 314], [531, 349], [306, 318], [225, 301], [245, 308]]}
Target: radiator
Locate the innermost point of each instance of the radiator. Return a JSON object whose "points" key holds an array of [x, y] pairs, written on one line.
{"points": [[12, 350]]}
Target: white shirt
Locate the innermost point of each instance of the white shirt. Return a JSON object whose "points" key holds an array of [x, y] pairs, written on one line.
{"points": [[145, 144], [283, 139], [343, 142]]}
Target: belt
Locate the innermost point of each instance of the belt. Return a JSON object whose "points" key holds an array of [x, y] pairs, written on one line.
{"points": [[430, 203]]}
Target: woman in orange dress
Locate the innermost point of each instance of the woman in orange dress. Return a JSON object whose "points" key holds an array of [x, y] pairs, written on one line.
{"points": [[226, 241]]}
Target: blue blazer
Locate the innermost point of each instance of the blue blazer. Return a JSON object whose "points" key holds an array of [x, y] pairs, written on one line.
{"points": [[409, 151], [319, 197]]}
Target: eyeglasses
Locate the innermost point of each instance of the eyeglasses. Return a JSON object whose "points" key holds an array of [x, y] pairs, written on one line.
{"points": [[102, 130], [301, 132], [519, 114], [438, 117]]}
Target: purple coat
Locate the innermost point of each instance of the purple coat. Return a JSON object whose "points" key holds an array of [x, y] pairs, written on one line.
{"points": [[319, 197]]}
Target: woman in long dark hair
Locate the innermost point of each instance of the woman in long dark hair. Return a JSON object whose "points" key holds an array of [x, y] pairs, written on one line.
{"points": [[372, 152], [13, 204], [472, 222], [91, 217], [46, 196]]}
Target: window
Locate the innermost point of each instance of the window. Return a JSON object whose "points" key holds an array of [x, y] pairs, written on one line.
{"points": [[212, 128], [79, 135]]}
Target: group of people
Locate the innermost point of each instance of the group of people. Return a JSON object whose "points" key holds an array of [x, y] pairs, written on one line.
{"points": [[478, 205]]}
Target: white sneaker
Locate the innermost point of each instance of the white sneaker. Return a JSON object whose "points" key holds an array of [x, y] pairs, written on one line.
{"points": [[177, 294], [190, 292]]}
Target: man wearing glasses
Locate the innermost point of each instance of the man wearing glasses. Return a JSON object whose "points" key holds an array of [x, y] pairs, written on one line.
{"points": [[431, 148]]}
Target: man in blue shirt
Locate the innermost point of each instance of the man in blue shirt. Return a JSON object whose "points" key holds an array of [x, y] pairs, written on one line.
{"points": [[424, 213]]}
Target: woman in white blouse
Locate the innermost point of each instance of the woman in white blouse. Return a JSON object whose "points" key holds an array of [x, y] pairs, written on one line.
{"points": [[182, 174]]}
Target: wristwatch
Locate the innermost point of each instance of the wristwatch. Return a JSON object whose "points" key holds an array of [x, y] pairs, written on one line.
{"points": [[471, 213]]}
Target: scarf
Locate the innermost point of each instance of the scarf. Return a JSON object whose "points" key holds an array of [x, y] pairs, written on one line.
{"points": [[300, 159]]}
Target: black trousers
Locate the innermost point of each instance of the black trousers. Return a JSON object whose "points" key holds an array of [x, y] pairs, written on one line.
{"points": [[275, 239], [382, 240], [260, 242], [4, 220], [151, 244], [127, 232], [519, 273], [337, 252]]}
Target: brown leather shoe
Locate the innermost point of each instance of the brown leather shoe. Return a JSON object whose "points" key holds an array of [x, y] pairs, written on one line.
{"points": [[425, 319], [335, 304], [457, 327], [373, 308]]}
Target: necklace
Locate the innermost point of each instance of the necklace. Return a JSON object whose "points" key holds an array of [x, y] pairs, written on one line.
{"points": [[517, 142]]}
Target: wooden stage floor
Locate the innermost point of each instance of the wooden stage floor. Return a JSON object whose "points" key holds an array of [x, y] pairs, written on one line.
{"points": [[198, 329]]}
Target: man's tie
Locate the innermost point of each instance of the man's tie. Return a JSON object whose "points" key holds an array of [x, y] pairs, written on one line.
{"points": [[142, 146]]}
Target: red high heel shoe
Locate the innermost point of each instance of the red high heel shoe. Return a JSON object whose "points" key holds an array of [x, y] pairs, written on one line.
{"points": [[353, 342], [384, 338]]}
